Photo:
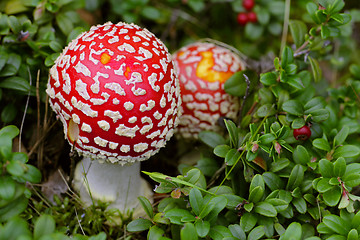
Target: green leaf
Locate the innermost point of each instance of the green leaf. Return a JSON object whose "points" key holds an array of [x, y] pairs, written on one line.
{"points": [[74, 33], [15, 168], [300, 205], [256, 194], [267, 138], [257, 181], [7, 188], [236, 85], [160, 218], [196, 200], [100, 236], [211, 139], [256, 233], [312, 8], [217, 204], [316, 70], [353, 235], [323, 185], [355, 70], [341, 136], [208, 166], [196, 5], [266, 110], [347, 151], [12, 66], [15, 229], [279, 204], [253, 31], [325, 32], [301, 155], [14, 208], [64, 22], [320, 115], [279, 164], [4, 56], [202, 228], [194, 176], [336, 224], [332, 197], [293, 107], [14, 24], [293, 232], [326, 168], [221, 150], [145, 203], [179, 216], [339, 167], [248, 221], [249, 206], [15, 83], [273, 181], [351, 180], [265, 209], [219, 232], [8, 113], [263, 15], [233, 132], [355, 221], [268, 78], [237, 231], [4, 26], [335, 6], [296, 177], [188, 232], [321, 144], [287, 57], [298, 123], [44, 225], [314, 104], [232, 157], [155, 233], [162, 177], [298, 30], [151, 13], [32, 174]]}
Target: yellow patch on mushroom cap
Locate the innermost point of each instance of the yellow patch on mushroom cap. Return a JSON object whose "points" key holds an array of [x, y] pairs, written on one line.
{"points": [[206, 72], [105, 58]]}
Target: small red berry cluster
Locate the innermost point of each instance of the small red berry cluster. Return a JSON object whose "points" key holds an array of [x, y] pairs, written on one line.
{"points": [[249, 16]]}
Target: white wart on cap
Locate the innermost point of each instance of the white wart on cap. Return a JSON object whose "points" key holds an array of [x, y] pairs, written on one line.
{"points": [[203, 69], [116, 92]]}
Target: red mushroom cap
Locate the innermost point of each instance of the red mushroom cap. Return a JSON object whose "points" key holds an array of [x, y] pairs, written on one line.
{"points": [[203, 69], [116, 92]]}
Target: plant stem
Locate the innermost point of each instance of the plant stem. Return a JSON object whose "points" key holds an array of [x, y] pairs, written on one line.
{"points": [[285, 26]]}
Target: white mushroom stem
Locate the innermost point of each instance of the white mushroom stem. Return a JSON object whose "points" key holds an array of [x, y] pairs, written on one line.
{"points": [[114, 183]]}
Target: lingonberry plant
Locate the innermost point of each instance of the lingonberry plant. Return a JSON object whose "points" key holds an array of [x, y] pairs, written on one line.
{"points": [[284, 165], [289, 163]]}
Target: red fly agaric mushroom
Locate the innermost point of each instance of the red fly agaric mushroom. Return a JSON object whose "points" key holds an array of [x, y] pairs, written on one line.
{"points": [[115, 90], [202, 69]]}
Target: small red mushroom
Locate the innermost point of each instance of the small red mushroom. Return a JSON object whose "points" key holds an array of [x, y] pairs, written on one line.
{"points": [[116, 92], [203, 69]]}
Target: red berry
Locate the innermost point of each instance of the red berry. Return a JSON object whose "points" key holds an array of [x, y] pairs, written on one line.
{"points": [[248, 4], [302, 133], [242, 18], [252, 17]]}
